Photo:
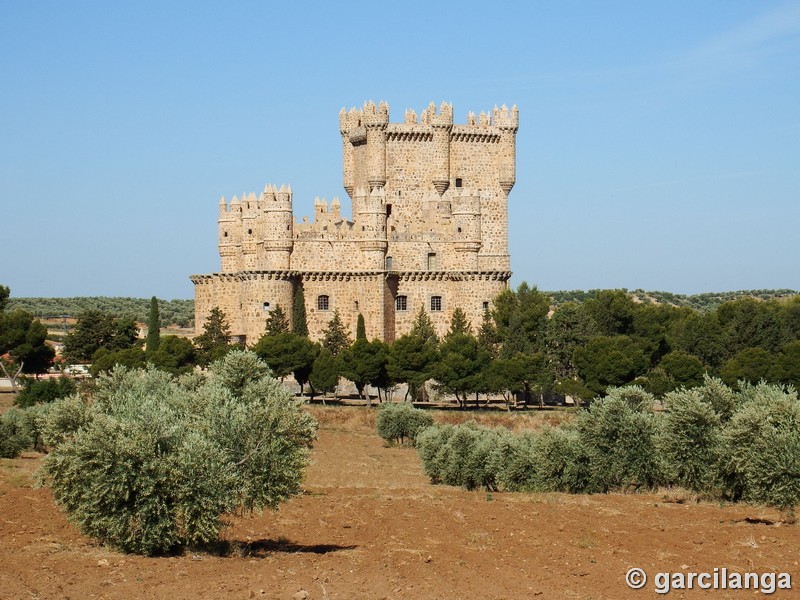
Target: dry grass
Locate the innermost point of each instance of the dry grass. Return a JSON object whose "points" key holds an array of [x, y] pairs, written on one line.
{"points": [[362, 419]]}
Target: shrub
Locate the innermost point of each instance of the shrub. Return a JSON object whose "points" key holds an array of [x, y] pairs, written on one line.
{"points": [[760, 458], [617, 435], [153, 465], [398, 422], [689, 439], [37, 391], [429, 445], [513, 462], [562, 463], [15, 433]]}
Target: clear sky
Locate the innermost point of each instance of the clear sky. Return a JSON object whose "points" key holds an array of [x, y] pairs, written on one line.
{"points": [[659, 142]]}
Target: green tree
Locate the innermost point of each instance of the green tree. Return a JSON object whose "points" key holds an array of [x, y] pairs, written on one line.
{"points": [[363, 363], [324, 373], [283, 352], [153, 328], [175, 355], [569, 328], [94, 330], [335, 337], [609, 361], [521, 319], [683, 369], [786, 368], [5, 292], [750, 364], [305, 355], [106, 360], [701, 336], [461, 362], [213, 344], [34, 354], [751, 323], [411, 360], [423, 327], [488, 337], [277, 321], [361, 328], [299, 322], [612, 311], [459, 324]]}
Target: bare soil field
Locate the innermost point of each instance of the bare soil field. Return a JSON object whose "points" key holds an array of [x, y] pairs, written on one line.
{"points": [[369, 525]]}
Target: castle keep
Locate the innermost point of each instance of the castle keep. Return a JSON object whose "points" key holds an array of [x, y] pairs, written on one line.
{"points": [[429, 229]]}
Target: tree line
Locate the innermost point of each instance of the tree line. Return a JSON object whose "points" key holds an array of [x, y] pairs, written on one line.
{"points": [[524, 348], [172, 312]]}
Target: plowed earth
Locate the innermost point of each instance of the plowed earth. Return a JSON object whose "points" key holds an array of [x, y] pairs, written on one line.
{"points": [[369, 525]]}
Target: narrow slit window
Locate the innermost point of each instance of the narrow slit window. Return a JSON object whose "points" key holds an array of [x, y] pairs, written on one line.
{"points": [[432, 262]]}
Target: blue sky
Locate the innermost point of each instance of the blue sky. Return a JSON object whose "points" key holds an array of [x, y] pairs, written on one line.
{"points": [[659, 143]]}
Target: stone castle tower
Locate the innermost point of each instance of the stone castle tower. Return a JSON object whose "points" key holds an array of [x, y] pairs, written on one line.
{"points": [[429, 228]]}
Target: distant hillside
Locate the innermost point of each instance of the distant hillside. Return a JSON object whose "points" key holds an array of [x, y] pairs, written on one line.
{"points": [[172, 312], [700, 302]]}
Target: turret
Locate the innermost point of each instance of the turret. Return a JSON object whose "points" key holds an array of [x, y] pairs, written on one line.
{"points": [[466, 206], [277, 238], [250, 236], [442, 125], [230, 228], [508, 123], [375, 121], [371, 227], [347, 122]]}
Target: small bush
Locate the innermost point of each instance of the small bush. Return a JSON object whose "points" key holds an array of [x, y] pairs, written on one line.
{"points": [[760, 456], [617, 435], [429, 445], [400, 422], [689, 439], [513, 462], [153, 464], [15, 433], [562, 463]]}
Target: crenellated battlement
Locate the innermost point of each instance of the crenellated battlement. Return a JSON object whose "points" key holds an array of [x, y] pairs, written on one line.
{"points": [[504, 118]]}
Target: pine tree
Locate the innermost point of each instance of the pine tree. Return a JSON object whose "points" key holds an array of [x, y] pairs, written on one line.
{"points": [[277, 321], [488, 337], [335, 337], [361, 328], [459, 324], [423, 327], [212, 344], [299, 323], [153, 328]]}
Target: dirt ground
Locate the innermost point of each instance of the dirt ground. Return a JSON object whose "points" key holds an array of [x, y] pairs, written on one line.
{"points": [[369, 525]]}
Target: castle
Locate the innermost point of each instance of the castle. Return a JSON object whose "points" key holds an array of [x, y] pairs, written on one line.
{"points": [[429, 229]]}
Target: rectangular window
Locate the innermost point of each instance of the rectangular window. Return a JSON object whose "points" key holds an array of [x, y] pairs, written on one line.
{"points": [[433, 264], [459, 182], [401, 303], [436, 303], [323, 302]]}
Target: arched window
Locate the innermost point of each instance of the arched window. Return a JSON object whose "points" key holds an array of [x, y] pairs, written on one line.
{"points": [[388, 263], [401, 303], [323, 302]]}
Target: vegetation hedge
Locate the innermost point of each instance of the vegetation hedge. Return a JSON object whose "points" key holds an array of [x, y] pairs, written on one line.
{"points": [[725, 444]]}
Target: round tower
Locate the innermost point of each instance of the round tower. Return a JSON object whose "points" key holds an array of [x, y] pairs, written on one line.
{"points": [[278, 234], [371, 227], [442, 125], [375, 121], [227, 246], [466, 207], [508, 123]]}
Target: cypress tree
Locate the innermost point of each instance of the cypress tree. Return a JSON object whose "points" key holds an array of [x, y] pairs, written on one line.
{"points": [[361, 328], [153, 328], [299, 323]]}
